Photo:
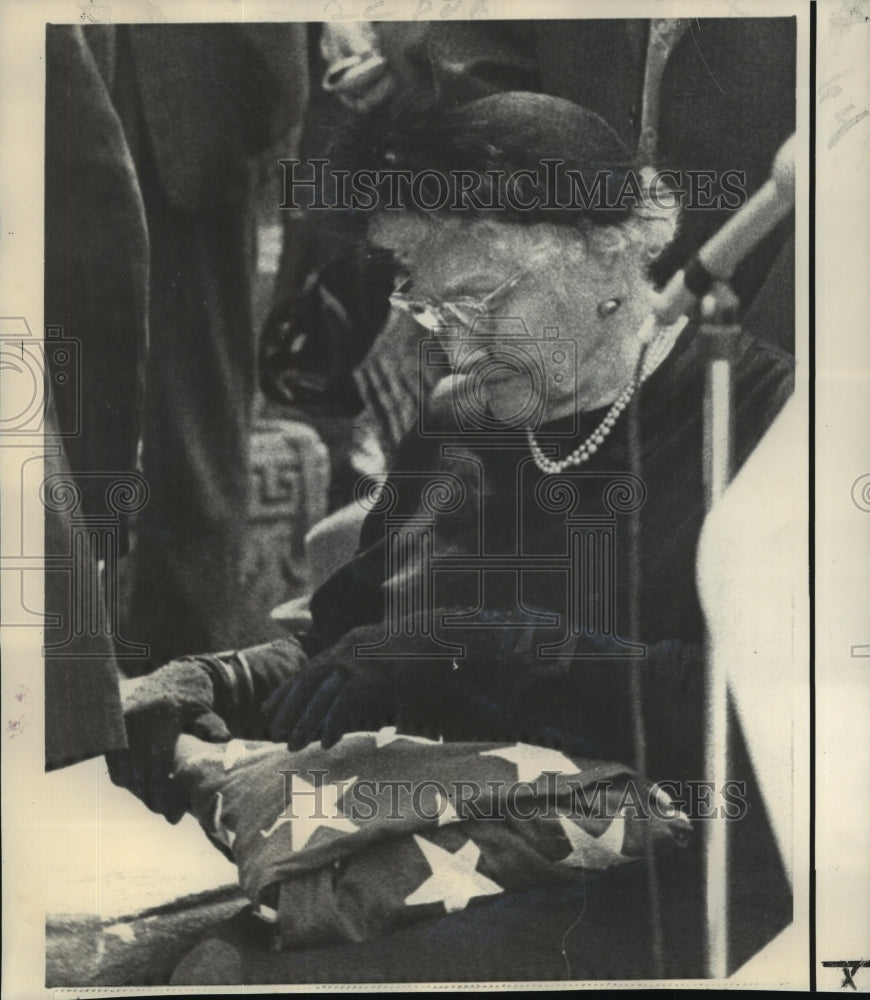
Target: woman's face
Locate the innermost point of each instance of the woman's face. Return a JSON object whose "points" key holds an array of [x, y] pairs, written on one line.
{"points": [[565, 330]]}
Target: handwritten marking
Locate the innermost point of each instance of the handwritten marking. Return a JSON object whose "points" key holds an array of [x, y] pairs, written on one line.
{"points": [[849, 968], [830, 89], [845, 124], [339, 15], [449, 9], [855, 13]]}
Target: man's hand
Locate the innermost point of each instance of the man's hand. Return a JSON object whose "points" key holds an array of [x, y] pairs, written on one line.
{"points": [[178, 698]]}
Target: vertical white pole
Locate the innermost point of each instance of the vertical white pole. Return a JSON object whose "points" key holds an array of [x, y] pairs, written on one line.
{"points": [[717, 449]]}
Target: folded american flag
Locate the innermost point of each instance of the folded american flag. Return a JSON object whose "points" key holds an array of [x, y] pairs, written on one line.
{"points": [[383, 829]]}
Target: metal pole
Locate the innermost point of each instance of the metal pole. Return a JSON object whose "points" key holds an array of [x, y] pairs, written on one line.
{"points": [[715, 262], [718, 340], [635, 679]]}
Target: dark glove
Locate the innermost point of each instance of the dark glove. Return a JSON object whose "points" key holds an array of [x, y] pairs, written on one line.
{"points": [[427, 698], [178, 698], [339, 692], [327, 701]]}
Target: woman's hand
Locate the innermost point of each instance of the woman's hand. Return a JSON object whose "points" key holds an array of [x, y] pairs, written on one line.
{"points": [[328, 700], [341, 692]]}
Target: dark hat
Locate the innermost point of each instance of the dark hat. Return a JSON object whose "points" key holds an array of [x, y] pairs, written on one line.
{"points": [[532, 127], [523, 149]]}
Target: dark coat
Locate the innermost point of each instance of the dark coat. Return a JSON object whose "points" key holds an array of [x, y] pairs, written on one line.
{"points": [[195, 103], [212, 97], [503, 688]]}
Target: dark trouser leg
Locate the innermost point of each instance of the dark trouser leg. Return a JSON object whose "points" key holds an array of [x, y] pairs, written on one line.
{"points": [[199, 390]]}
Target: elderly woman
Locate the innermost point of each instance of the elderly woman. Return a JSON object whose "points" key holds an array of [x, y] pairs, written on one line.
{"points": [[525, 576]]}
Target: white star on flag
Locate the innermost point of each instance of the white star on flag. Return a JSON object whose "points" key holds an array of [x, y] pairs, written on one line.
{"points": [[446, 812], [387, 735], [454, 879], [384, 737], [313, 808], [531, 762], [207, 752], [595, 852], [236, 751], [220, 831], [229, 754]]}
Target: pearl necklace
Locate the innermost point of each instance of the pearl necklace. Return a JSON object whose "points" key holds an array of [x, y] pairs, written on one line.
{"points": [[586, 450], [660, 345]]}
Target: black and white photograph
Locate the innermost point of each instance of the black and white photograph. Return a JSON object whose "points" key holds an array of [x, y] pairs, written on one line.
{"points": [[412, 567]]}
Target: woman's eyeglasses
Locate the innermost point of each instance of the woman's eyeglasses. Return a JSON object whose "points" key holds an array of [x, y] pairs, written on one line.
{"points": [[433, 315]]}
